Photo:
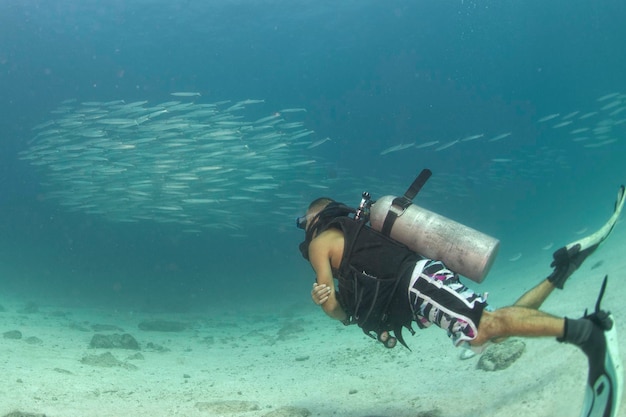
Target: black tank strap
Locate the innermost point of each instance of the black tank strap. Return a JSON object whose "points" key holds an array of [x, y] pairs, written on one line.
{"points": [[400, 204], [418, 183]]}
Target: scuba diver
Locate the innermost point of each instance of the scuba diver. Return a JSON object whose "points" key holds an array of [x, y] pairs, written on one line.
{"points": [[366, 277]]}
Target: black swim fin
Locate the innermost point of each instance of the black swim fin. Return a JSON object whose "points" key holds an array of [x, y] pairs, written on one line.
{"points": [[605, 379], [569, 258], [397, 332]]}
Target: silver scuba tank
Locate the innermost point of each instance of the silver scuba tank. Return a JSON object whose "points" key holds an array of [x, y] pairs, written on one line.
{"points": [[462, 249]]}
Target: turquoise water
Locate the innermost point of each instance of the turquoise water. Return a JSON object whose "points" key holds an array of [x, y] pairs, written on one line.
{"points": [[460, 85]]}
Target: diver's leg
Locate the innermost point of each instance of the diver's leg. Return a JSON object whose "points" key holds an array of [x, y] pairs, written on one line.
{"points": [[517, 321], [531, 299], [536, 296], [528, 322]]}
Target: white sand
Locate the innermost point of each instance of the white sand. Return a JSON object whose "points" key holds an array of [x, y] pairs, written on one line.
{"points": [[321, 366]]}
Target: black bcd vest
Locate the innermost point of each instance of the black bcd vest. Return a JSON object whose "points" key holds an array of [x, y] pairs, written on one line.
{"points": [[373, 279]]}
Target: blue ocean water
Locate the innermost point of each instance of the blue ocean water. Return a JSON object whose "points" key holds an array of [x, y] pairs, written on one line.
{"points": [[372, 75]]}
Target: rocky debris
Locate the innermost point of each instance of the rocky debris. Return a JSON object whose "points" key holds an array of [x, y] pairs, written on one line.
{"points": [[435, 412], [23, 414], [163, 326], [288, 412], [501, 355], [290, 330], [16, 334], [106, 360], [156, 347], [136, 357], [33, 340], [227, 406], [114, 341], [12, 334]]}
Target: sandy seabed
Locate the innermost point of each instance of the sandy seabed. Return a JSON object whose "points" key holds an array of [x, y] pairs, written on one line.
{"points": [[293, 361]]}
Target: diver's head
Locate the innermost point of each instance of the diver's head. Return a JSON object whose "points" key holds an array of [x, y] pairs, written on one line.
{"points": [[311, 216], [321, 212]]}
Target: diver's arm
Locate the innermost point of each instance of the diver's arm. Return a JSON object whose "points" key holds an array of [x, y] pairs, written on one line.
{"points": [[319, 256]]}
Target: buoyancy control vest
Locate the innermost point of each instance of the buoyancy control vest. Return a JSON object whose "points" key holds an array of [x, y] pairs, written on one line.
{"points": [[373, 277]]}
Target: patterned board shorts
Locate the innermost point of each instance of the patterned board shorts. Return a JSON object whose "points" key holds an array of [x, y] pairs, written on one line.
{"points": [[437, 296]]}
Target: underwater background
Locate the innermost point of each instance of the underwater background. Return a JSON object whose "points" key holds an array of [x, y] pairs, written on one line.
{"points": [[518, 108]]}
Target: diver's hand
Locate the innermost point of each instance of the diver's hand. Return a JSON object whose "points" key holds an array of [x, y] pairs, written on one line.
{"points": [[320, 293]]}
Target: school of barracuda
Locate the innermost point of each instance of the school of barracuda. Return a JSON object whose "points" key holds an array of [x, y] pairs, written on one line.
{"points": [[200, 165], [212, 166], [594, 128]]}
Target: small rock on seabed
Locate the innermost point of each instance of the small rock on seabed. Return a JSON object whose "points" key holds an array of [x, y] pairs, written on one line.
{"points": [[501, 355]]}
